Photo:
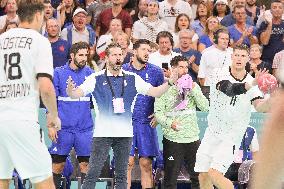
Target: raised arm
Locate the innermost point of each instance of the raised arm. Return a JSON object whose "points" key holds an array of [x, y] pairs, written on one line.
{"points": [[158, 91], [265, 35], [262, 105]]}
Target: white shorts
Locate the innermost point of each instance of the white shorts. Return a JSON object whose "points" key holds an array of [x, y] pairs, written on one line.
{"points": [[21, 149], [214, 153]]}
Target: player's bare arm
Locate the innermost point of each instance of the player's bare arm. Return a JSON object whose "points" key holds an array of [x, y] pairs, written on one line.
{"points": [[49, 99], [262, 105], [158, 91]]}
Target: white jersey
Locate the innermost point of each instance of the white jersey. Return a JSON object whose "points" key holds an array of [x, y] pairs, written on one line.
{"points": [[229, 116], [24, 54]]}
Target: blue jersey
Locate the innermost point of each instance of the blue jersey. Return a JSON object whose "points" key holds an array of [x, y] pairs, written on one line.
{"points": [[75, 114], [144, 105], [60, 52]]}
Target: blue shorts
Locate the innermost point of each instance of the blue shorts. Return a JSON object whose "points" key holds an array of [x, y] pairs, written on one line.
{"points": [[145, 140], [81, 141]]}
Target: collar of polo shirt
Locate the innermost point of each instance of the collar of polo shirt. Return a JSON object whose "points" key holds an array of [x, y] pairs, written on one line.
{"points": [[110, 74]]}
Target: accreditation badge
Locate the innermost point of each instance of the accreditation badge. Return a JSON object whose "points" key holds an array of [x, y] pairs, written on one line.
{"points": [[118, 105], [239, 156]]}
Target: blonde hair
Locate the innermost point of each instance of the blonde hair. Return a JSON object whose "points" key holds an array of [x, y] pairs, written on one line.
{"points": [[206, 29], [123, 34]]}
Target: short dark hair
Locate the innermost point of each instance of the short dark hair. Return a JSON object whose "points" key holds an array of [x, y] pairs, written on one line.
{"points": [[175, 60], [139, 42], [215, 12], [241, 47], [165, 34], [78, 46], [28, 8], [110, 46]]}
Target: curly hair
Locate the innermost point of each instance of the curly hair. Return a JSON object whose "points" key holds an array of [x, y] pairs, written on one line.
{"points": [[175, 60]]}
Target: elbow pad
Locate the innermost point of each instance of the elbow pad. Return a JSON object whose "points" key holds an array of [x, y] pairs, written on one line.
{"points": [[231, 89]]}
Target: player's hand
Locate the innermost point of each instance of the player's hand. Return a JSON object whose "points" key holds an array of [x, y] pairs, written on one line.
{"points": [[174, 75], [175, 126], [53, 121], [153, 122], [70, 86], [52, 134], [258, 74]]}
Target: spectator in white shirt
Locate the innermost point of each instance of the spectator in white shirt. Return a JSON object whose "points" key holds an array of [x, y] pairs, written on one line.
{"points": [[163, 56], [149, 27], [170, 9], [214, 58], [11, 15]]}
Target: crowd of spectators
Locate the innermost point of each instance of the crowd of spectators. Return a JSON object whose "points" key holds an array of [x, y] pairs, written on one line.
{"points": [[96, 22], [195, 29]]}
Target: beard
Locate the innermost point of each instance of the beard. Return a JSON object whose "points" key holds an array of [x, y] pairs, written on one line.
{"points": [[141, 60], [81, 64], [117, 65]]}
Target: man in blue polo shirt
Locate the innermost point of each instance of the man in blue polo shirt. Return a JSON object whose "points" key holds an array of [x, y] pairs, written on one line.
{"points": [[229, 19], [194, 56], [114, 91], [271, 32], [145, 139], [60, 47], [75, 115]]}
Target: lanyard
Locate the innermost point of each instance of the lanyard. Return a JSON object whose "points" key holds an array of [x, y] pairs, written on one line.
{"points": [[111, 88]]}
